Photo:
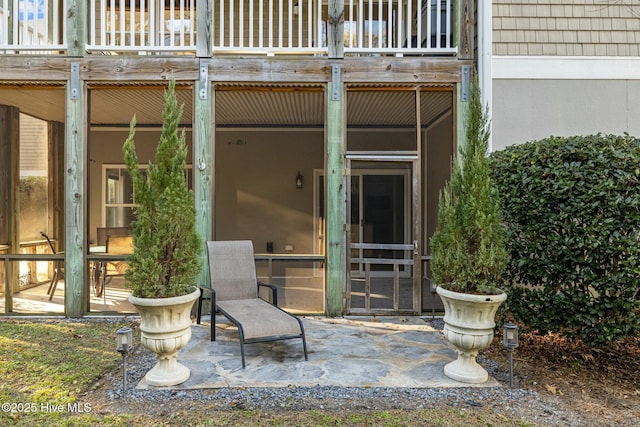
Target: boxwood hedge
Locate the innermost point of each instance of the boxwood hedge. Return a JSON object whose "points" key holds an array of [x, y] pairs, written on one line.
{"points": [[572, 211]]}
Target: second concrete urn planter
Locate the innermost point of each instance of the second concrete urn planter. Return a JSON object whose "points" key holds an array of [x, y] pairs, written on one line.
{"points": [[468, 325]]}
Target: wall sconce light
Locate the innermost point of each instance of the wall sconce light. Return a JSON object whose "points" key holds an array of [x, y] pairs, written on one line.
{"points": [[124, 341], [299, 181], [296, 9], [510, 341]]}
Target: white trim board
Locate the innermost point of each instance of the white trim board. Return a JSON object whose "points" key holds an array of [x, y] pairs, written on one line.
{"points": [[565, 67]]}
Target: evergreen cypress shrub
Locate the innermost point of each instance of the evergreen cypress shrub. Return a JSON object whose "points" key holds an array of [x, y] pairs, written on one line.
{"points": [[467, 249], [166, 245], [572, 210]]}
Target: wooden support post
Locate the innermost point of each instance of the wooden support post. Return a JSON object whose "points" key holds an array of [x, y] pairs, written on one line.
{"points": [[203, 164], [417, 203], [336, 193], [465, 30], [336, 28], [77, 17], [9, 200], [75, 199], [461, 113], [203, 28]]}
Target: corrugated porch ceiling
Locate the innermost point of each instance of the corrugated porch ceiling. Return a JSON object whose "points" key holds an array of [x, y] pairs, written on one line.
{"points": [[239, 104]]}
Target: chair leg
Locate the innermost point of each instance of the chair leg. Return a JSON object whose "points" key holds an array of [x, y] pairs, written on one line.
{"points": [[54, 278], [304, 347], [213, 316], [213, 324], [241, 333], [199, 313], [304, 338], [54, 284]]}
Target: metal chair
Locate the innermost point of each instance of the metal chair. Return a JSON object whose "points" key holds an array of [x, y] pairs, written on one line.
{"points": [[116, 245], [234, 293], [57, 268]]}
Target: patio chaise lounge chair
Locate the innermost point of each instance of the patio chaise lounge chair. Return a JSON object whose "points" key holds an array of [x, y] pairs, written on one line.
{"points": [[235, 293]]}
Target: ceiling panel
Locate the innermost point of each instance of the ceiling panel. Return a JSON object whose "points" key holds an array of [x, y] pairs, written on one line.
{"points": [[239, 107], [269, 108], [45, 103], [116, 106], [387, 108]]}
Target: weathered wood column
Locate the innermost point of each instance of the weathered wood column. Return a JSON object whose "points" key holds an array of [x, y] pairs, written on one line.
{"points": [[203, 28], [203, 134], [9, 200], [464, 37], [336, 29], [75, 216], [336, 191], [203, 162], [75, 198], [336, 194]]}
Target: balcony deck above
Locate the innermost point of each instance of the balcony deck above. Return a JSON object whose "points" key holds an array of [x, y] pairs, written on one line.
{"points": [[232, 27]]}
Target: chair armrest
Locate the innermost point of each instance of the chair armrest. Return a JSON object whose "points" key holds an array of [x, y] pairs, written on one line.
{"points": [[274, 292], [204, 289]]}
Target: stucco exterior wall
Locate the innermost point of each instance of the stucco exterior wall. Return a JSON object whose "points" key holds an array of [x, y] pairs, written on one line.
{"points": [[535, 109]]}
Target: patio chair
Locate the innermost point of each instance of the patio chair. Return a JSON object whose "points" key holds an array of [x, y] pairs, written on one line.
{"points": [[57, 268], [116, 245], [234, 292]]}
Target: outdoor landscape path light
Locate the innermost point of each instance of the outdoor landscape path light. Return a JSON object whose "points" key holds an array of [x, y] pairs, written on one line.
{"points": [[124, 338], [510, 341]]}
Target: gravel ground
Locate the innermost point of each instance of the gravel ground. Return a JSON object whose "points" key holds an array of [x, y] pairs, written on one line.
{"points": [[513, 404]]}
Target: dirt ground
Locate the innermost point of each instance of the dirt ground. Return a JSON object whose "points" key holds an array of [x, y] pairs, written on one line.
{"points": [[573, 385], [603, 386]]}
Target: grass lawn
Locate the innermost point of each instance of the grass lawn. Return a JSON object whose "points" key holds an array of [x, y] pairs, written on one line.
{"points": [[47, 366]]}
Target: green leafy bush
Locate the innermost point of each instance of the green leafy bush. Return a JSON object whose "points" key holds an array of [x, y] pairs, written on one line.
{"points": [[572, 210], [166, 245]]}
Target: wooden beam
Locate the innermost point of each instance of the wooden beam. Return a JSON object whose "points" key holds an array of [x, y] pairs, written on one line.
{"points": [[76, 201], [391, 70], [18, 67], [354, 70], [335, 202], [138, 68]]}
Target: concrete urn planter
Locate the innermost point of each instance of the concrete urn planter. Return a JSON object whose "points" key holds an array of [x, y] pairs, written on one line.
{"points": [[468, 325], [165, 327]]}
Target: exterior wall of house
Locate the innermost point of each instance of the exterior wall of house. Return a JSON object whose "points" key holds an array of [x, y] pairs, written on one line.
{"points": [[564, 68], [259, 201]]}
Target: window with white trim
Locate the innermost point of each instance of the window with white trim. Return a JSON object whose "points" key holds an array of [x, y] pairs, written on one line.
{"points": [[118, 198]]}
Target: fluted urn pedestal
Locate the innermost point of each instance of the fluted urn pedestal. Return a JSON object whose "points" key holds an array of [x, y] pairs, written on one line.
{"points": [[468, 325], [165, 328]]}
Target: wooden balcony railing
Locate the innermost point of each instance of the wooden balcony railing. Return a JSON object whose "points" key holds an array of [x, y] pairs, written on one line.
{"points": [[387, 27], [32, 26]]}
